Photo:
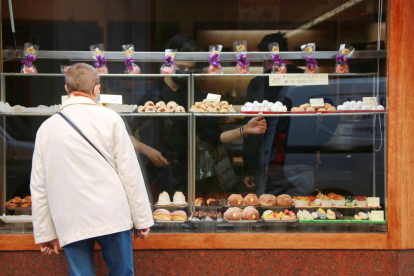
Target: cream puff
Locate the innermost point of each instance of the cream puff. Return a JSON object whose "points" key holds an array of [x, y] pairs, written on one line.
{"points": [[162, 215], [235, 200], [233, 214], [251, 200], [250, 213], [179, 216], [267, 200], [284, 200]]}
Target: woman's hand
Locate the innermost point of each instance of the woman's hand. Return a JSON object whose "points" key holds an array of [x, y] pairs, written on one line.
{"points": [[142, 234], [256, 125], [155, 157], [49, 247]]}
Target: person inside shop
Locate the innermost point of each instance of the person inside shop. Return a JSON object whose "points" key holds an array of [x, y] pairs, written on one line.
{"points": [[283, 160], [83, 160], [168, 154]]}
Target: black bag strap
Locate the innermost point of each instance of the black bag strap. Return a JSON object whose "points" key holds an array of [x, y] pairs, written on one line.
{"points": [[81, 134]]}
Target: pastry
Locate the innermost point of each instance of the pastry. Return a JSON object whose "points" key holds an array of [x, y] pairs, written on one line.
{"points": [[28, 198], [235, 200], [159, 104], [338, 215], [162, 215], [270, 215], [150, 109], [200, 202], [162, 109], [314, 201], [305, 215], [200, 215], [18, 198], [224, 103], [179, 216], [287, 215], [148, 104], [25, 203], [251, 200], [357, 217], [325, 200], [361, 201], [180, 109], [330, 214], [284, 200], [233, 214], [301, 200], [171, 106], [350, 201], [214, 215], [141, 108], [179, 199], [363, 215], [314, 215], [164, 199], [250, 213], [12, 203], [212, 202], [321, 213], [267, 200]]}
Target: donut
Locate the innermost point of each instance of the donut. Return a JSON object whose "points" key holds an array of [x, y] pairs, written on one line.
{"points": [[149, 103], [171, 106], [284, 200], [200, 202], [267, 200], [250, 213], [212, 202], [233, 214], [251, 200], [235, 200]]}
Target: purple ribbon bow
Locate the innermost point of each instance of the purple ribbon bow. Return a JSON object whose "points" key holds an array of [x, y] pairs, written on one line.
{"points": [[341, 59], [214, 60], [28, 60], [277, 60], [128, 63], [100, 61], [311, 62], [242, 60], [168, 60]]}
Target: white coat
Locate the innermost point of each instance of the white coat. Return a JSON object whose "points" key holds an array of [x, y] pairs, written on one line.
{"points": [[76, 194]]}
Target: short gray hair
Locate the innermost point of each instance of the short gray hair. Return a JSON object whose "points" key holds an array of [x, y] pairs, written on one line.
{"points": [[81, 77]]}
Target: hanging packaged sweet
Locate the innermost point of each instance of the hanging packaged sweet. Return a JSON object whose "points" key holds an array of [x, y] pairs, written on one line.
{"points": [[311, 63], [30, 53], [279, 67], [345, 52], [131, 67], [64, 68], [214, 66], [169, 65], [240, 47], [99, 60]]}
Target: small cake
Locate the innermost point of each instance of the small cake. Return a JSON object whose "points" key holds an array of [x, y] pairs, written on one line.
{"points": [[159, 104], [150, 109], [235, 200], [25, 203], [12, 203], [251, 200], [321, 213], [200, 202], [314, 201], [179, 216], [314, 215], [162, 109], [200, 215], [171, 106], [162, 215], [250, 213], [301, 200], [179, 199], [330, 214], [357, 217], [338, 215], [212, 202], [284, 200], [363, 215], [214, 215], [233, 214], [164, 199], [149, 104], [361, 201], [270, 215], [180, 109], [141, 108], [267, 200], [350, 201]]}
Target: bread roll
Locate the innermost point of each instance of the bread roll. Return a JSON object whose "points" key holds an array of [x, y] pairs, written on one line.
{"points": [[200, 202], [267, 200], [284, 200], [310, 109]]}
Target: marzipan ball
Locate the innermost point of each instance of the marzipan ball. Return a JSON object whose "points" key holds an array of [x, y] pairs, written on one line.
{"points": [[332, 108], [310, 109], [294, 109], [327, 105], [321, 109], [306, 105], [301, 109]]}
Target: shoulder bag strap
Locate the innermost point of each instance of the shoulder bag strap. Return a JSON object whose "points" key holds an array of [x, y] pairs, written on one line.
{"points": [[81, 134]]}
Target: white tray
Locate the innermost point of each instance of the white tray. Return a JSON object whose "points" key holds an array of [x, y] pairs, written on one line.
{"points": [[16, 219]]}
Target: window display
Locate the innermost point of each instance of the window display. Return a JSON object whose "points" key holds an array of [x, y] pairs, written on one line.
{"points": [[316, 162]]}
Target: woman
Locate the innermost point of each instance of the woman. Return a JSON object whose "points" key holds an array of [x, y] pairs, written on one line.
{"points": [[83, 194]]}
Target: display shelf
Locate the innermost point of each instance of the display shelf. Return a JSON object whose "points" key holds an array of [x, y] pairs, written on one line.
{"points": [[338, 207], [19, 208], [264, 75], [100, 75], [163, 114], [288, 114], [184, 56]]}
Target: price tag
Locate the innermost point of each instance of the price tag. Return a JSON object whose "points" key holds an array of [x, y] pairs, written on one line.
{"points": [[370, 101], [317, 102], [110, 99], [64, 98], [298, 79], [213, 97], [377, 215], [373, 201]]}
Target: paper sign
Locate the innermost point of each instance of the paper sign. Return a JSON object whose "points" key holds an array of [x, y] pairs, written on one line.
{"points": [[298, 79], [370, 101], [317, 102], [112, 99], [373, 201], [64, 98], [377, 215], [213, 97]]}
